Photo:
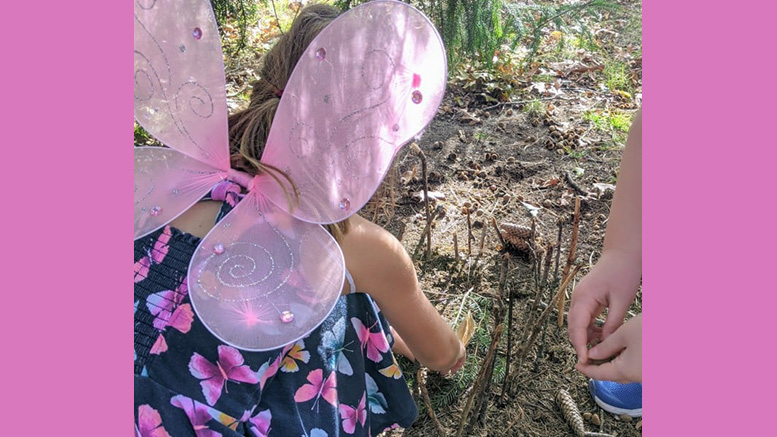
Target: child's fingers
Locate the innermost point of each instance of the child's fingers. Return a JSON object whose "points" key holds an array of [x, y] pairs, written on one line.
{"points": [[616, 311], [608, 371], [580, 317], [611, 347]]}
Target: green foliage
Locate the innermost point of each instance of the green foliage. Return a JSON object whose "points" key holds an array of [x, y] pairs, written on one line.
{"points": [[529, 24], [617, 76], [143, 138], [239, 13], [534, 109]]}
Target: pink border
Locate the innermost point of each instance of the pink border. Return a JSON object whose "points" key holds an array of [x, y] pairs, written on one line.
{"points": [[709, 165], [67, 68]]}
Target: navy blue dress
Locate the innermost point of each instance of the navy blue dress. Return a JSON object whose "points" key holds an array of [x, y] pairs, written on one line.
{"points": [[341, 379]]}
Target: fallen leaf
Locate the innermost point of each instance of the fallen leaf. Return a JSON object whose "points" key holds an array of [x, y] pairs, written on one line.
{"points": [[408, 176], [433, 195], [533, 210], [466, 329], [604, 187]]}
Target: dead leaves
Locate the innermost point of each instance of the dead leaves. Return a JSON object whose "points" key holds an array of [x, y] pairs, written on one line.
{"points": [[466, 329]]}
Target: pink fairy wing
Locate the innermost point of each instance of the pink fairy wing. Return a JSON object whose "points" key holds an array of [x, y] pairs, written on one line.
{"points": [[368, 84], [179, 78], [167, 183], [239, 277]]}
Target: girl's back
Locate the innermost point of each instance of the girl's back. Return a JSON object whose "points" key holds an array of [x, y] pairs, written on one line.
{"points": [[342, 378]]}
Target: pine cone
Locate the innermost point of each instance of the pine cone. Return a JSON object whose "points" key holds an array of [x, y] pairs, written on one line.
{"points": [[517, 236], [571, 413]]}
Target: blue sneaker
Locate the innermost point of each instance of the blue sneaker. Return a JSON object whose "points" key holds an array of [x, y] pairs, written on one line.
{"points": [[617, 398]]}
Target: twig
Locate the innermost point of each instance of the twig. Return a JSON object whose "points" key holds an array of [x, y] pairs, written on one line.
{"points": [[498, 232], [425, 394], [422, 156], [521, 102], [482, 241], [532, 332], [574, 185], [560, 225], [570, 259], [548, 262], [469, 233], [426, 230], [479, 382], [455, 248], [509, 352], [461, 307], [277, 20]]}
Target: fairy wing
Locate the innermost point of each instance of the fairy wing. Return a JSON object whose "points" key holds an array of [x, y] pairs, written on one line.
{"points": [[182, 106], [367, 84], [262, 279], [167, 183]]}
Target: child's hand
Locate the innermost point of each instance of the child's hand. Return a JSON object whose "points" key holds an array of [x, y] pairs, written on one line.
{"points": [[623, 349], [611, 284], [460, 360]]}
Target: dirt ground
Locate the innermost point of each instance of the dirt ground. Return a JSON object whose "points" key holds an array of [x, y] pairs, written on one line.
{"points": [[494, 169]]}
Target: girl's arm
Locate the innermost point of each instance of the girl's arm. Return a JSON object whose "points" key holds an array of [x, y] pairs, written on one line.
{"points": [[381, 266]]}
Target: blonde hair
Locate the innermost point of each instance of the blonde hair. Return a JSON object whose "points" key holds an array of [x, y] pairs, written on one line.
{"points": [[249, 128]]}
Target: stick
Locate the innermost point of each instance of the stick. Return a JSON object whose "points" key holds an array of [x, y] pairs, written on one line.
{"points": [[455, 248], [426, 198], [428, 402], [498, 232], [560, 225], [482, 241], [570, 259], [548, 262], [532, 334], [469, 233], [574, 185], [427, 229], [509, 352], [479, 382]]}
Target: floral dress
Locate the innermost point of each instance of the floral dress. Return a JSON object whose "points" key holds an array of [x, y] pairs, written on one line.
{"points": [[341, 379]]}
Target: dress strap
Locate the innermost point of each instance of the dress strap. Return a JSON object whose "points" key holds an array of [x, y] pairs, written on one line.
{"points": [[352, 286]]}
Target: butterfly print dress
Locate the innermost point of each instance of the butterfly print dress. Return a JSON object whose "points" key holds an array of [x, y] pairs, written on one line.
{"points": [[341, 379]]}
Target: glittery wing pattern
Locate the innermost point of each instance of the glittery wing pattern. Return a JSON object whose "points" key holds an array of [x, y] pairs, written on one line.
{"points": [[180, 92], [167, 182], [268, 273], [368, 83], [263, 278], [182, 106]]}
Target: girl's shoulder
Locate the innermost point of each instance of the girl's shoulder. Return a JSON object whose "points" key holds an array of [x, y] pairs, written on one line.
{"points": [[376, 259]]}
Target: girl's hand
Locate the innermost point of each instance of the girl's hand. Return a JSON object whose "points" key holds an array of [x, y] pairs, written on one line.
{"points": [[611, 284], [623, 352], [460, 360]]}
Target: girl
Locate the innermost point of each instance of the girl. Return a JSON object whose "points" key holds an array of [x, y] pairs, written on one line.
{"points": [[340, 379]]}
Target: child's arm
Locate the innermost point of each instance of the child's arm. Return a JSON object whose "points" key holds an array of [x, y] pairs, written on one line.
{"points": [[614, 280], [381, 266]]}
